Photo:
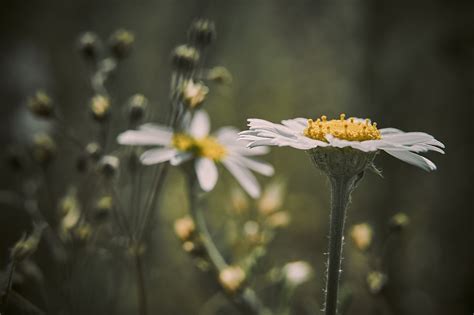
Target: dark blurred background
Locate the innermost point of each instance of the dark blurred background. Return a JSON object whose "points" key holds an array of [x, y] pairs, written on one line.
{"points": [[404, 64]]}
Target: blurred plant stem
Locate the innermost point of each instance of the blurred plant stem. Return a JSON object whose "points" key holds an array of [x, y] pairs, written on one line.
{"points": [[141, 289], [8, 286], [246, 299], [341, 187]]}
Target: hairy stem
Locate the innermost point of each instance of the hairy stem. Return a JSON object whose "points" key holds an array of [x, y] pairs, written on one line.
{"points": [[341, 188]]}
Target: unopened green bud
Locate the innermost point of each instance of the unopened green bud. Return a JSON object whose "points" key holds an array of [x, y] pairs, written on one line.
{"points": [[399, 221], [44, 148], [89, 44], [137, 105], [202, 32], [121, 42], [41, 104], [103, 208], [185, 58], [109, 165]]}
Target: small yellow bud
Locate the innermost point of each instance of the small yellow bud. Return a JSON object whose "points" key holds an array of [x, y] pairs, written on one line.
{"points": [[121, 42], [399, 221], [278, 219], [272, 198], [103, 209], [100, 107], [232, 278], [376, 281], [184, 228], [361, 235]]}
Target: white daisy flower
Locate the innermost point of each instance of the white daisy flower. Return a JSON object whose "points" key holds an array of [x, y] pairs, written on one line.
{"points": [[222, 147], [360, 134]]}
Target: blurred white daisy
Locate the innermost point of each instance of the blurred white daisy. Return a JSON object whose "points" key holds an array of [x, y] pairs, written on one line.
{"points": [[222, 147], [360, 134]]}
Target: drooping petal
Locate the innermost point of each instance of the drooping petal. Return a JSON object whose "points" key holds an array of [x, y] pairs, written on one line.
{"points": [[200, 125], [155, 156], [261, 167], [181, 157], [144, 137], [413, 158], [206, 172], [245, 178]]}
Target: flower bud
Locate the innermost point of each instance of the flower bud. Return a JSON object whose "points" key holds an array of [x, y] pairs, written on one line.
{"points": [[376, 281], [272, 198], [185, 58], [232, 278], [202, 32], [399, 221], [41, 104], [121, 42], [184, 228], [297, 272], [109, 166], [89, 45], [26, 246], [102, 209], [137, 105], [82, 233], [278, 219], [219, 75], [100, 107], [361, 235], [93, 150], [194, 94], [44, 148], [239, 201], [252, 231]]}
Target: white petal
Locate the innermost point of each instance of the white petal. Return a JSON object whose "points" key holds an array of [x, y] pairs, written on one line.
{"points": [[261, 167], [155, 156], [387, 131], [206, 172], [181, 157], [143, 137], [413, 158], [200, 125], [246, 179], [227, 135]]}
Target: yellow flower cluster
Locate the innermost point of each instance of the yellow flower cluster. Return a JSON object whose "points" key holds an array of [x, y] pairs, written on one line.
{"points": [[342, 128], [207, 147]]}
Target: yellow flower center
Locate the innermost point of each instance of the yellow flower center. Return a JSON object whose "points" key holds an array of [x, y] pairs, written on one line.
{"points": [[342, 128], [207, 147]]}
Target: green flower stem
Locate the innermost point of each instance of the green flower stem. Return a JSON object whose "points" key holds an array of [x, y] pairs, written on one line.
{"points": [[141, 288], [246, 300], [341, 187]]}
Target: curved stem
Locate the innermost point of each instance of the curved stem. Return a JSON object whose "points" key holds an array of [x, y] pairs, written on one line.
{"points": [[247, 300], [341, 188]]}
